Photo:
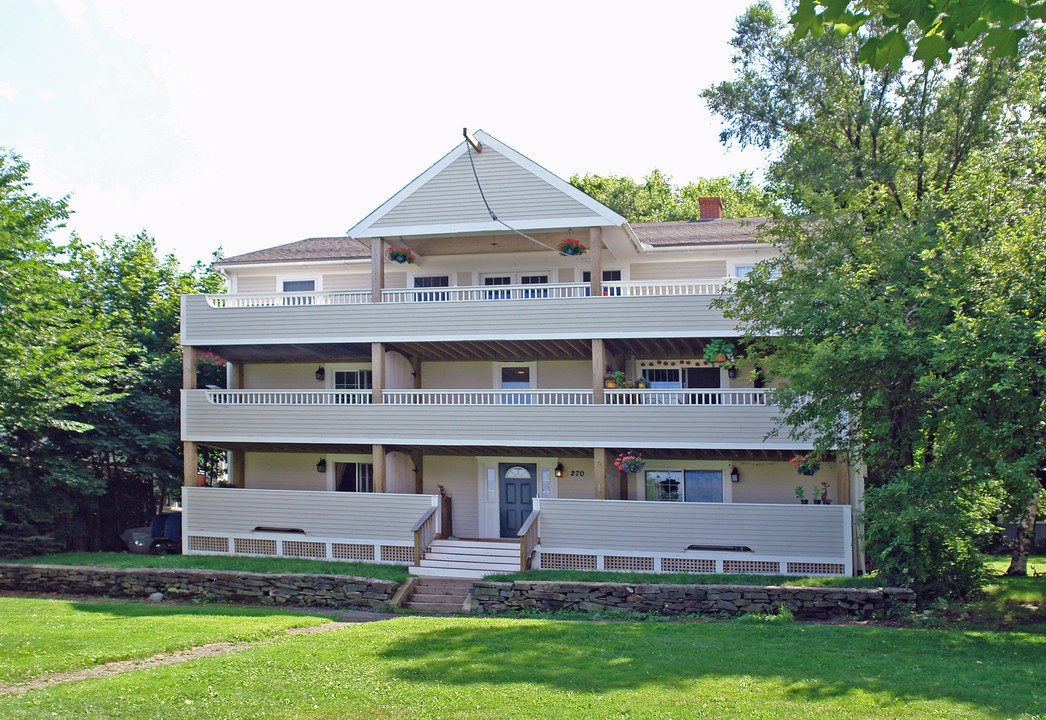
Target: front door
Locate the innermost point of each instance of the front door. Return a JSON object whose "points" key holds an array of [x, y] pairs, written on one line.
{"points": [[517, 483]]}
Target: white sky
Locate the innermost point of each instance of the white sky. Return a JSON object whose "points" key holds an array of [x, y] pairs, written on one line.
{"points": [[250, 124]]}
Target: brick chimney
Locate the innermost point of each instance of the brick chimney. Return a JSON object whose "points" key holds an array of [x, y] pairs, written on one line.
{"points": [[711, 208]]}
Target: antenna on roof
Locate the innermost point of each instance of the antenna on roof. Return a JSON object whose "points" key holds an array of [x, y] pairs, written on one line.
{"points": [[472, 140]]}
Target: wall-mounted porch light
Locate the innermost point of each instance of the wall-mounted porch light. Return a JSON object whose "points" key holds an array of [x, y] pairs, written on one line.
{"points": [[321, 466], [559, 470], [320, 373], [731, 372], [735, 476]]}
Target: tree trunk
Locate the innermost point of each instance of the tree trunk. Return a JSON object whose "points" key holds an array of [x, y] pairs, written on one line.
{"points": [[1024, 538]]}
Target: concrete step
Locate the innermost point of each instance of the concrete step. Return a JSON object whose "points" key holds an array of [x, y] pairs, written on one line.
{"points": [[427, 572], [437, 583], [476, 564], [430, 598], [435, 607]]}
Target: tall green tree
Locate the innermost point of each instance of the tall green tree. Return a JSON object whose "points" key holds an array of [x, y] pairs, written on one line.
{"points": [[854, 309], [656, 199], [54, 358]]}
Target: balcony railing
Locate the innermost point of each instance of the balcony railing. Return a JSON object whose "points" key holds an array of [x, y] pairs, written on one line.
{"points": [[488, 397], [554, 291]]}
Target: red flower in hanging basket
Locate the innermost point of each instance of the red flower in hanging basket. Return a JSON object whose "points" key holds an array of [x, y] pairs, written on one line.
{"points": [[402, 255], [570, 246]]}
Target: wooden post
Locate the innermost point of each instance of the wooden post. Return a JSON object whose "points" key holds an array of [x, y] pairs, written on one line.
{"points": [[377, 268], [843, 473], [377, 371], [418, 459], [190, 359], [235, 374], [599, 368], [378, 460], [599, 470], [189, 471], [415, 368], [238, 470], [595, 240]]}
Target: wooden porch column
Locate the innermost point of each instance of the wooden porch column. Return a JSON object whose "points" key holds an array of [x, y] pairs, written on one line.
{"points": [[599, 368], [415, 368], [190, 358], [377, 371], [235, 374], [377, 268], [238, 469], [418, 459], [378, 460], [599, 470], [595, 240]]}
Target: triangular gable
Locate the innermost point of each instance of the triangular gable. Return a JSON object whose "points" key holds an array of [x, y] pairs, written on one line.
{"points": [[445, 199]]}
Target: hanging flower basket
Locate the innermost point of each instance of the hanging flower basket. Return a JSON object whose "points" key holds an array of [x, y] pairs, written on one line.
{"points": [[805, 465], [570, 246], [402, 255], [630, 462]]}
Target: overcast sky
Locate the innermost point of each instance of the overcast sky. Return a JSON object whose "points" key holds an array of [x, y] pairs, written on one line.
{"points": [[251, 124]]}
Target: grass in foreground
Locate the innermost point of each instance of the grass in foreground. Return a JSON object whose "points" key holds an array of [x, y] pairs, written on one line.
{"points": [[46, 636], [479, 668], [395, 573]]}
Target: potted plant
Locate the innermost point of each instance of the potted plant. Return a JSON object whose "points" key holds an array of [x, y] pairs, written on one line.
{"points": [[801, 494], [806, 465], [630, 462], [817, 498], [570, 246], [614, 378], [824, 494], [402, 255], [718, 350], [641, 383]]}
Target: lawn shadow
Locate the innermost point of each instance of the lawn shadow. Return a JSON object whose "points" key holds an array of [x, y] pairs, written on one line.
{"points": [[809, 661]]}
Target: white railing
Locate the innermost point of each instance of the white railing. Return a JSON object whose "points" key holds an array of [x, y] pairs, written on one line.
{"points": [[487, 397], [626, 396], [289, 397], [555, 291], [636, 396]]}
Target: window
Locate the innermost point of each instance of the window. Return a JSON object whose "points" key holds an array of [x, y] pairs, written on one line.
{"points": [[608, 276], [506, 279], [354, 477], [684, 485], [431, 281], [534, 280], [741, 271], [515, 377], [495, 281], [691, 378], [352, 380], [299, 286]]}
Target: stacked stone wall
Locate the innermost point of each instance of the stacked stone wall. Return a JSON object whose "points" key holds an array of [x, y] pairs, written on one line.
{"points": [[213, 585], [807, 603]]}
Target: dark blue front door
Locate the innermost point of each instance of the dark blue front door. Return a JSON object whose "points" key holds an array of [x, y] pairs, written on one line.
{"points": [[517, 486]]}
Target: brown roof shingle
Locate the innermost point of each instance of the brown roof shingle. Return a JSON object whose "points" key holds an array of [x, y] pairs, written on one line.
{"points": [[322, 248]]}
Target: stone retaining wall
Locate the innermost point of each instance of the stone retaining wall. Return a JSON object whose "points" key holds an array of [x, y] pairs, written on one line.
{"points": [[215, 585], [806, 603]]}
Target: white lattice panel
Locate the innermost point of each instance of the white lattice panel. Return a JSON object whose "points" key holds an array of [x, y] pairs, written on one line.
{"points": [[816, 568], [304, 548], [255, 546], [694, 565], [756, 567], [397, 554], [567, 561], [354, 551], [202, 543], [625, 563]]}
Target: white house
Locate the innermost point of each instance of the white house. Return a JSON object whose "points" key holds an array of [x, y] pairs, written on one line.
{"points": [[375, 406]]}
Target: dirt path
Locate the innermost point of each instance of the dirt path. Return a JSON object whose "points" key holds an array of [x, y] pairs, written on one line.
{"points": [[345, 618]]}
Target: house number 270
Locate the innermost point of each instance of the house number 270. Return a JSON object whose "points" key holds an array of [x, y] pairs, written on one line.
{"points": [[577, 473]]}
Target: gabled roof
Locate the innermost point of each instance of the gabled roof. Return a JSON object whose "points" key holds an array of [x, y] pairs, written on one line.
{"points": [[322, 248], [445, 199]]}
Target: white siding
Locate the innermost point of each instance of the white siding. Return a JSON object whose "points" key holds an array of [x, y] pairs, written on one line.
{"points": [[346, 281], [281, 376], [283, 471], [799, 531], [459, 476], [255, 283], [775, 482], [675, 269]]}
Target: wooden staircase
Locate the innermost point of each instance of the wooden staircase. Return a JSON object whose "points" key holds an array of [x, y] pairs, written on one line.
{"points": [[468, 558], [438, 594]]}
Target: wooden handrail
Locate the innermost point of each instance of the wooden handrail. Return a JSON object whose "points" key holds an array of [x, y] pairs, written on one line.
{"points": [[528, 539], [424, 533]]}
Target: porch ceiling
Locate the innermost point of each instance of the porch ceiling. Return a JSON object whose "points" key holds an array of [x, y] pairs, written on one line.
{"points": [[492, 350], [511, 451]]}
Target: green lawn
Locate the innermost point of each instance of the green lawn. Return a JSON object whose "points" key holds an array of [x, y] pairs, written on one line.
{"points": [[44, 636], [482, 668], [395, 573]]}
